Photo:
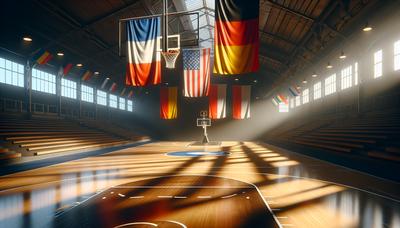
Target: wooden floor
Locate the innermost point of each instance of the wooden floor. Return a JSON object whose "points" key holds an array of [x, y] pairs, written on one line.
{"points": [[255, 185]]}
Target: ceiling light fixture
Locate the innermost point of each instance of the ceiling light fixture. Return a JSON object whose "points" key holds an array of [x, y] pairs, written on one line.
{"points": [[255, 81], [96, 73], [236, 79], [342, 55], [79, 65], [27, 39], [329, 66], [367, 27], [60, 54], [314, 75], [304, 81]]}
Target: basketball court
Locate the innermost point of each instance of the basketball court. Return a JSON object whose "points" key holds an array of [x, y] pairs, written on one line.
{"points": [[252, 185]]}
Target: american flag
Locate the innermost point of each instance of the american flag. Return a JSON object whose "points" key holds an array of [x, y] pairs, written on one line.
{"points": [[196, 72]]}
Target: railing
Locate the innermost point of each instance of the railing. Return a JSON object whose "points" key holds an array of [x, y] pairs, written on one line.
{"points": [[18, 106]]}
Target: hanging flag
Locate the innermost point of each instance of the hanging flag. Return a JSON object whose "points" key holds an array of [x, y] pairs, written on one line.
{"points": [[123, 92], [113, 87], [217, 101], [130, 94], [43, 57], [144, 62], [67, 68], [104, 82], [282, 99], [236, 40], [241, 101], [196, 72], [87, 75], [275, 101], [294, 90], [168, 102]]}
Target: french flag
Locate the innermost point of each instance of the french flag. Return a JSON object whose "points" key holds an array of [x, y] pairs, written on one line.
{"points": [[241, 101], [144, 62], [217, 101]]}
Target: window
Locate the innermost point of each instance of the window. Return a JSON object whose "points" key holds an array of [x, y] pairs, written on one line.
{"points": [[68, 88], [330, 84], [356, 73], [347, 78], [122, 103], [397, 55], [283, 107], [317, 90], [306, 96], [378, 64], [129, 106], [297, 99], [86, 93], [11, 73], [101, 98], [292, 103], [113, 101], [43, 82]]}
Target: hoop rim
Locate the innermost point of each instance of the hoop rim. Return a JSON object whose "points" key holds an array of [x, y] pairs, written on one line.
{"points": [[171, 51]]}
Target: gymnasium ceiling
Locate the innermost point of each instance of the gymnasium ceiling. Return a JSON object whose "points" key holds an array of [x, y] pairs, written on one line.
{"points": [[293, 33]]}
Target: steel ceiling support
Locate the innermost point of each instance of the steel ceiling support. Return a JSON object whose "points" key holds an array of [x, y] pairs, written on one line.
{"points": [[278, 37], [78, 26], [277, 5], [302, 15], [320, 20]]}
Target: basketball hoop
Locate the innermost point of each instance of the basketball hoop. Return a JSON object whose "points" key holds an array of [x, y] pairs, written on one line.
{"points": [[170, 57], [204, 122]]}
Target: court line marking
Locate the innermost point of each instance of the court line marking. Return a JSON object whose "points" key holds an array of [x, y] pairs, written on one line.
{"points": [[176, 222], [229, 196], [180, 197], [204, 197], [136, 223], [136, 197], [165, 197], [189, 173], [178, 186], [229, 178]]}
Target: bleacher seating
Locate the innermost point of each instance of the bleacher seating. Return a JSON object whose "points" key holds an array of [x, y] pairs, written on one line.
{"points": [[46, 136], [113, 128], [373, 134]]}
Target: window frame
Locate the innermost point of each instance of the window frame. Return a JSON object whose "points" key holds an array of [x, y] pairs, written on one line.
{"points": [[44, 82], [346, 77], [68, 87], [378, 63], [305, 95], [87, 93], [100, 98], [111, 101], [12, 73], [330, 85]]}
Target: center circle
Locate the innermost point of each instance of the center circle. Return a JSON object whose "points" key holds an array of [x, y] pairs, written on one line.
{"points": [[197, 153]]}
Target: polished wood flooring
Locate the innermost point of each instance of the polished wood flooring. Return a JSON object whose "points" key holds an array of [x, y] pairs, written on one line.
{"points": [[255, 185]]}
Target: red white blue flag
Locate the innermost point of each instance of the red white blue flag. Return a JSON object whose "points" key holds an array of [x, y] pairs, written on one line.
{"points": [[196, 72], [144, 62]]}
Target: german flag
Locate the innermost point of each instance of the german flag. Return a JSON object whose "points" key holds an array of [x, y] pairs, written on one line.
{"points": [[168, 103], [43, 57], [236, 37]]}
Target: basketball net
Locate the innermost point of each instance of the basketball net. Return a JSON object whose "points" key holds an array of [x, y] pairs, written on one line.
{"points": [[170, 57]]}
